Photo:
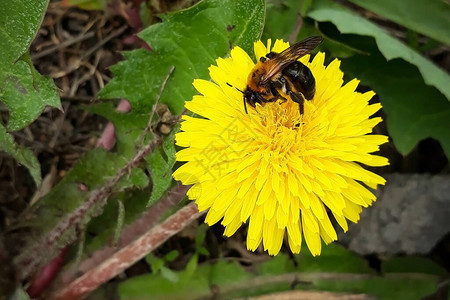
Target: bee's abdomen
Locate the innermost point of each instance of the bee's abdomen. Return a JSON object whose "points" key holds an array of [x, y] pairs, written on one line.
{"points": [[301, 78]]}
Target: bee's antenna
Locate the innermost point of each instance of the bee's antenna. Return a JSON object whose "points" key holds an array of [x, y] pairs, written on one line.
{"points": [[245, 105], [235, 88]]}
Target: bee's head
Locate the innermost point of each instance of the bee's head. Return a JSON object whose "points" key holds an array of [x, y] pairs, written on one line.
{"points": [[250, 96]]}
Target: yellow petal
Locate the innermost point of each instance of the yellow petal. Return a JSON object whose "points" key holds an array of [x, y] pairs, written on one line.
{"points": [[312, 240], [260, 50], [255, 228], [231, 228], [295, 235], [248, 205]]}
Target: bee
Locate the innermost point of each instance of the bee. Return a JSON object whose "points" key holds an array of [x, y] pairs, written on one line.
{"points": [[282, 72]]}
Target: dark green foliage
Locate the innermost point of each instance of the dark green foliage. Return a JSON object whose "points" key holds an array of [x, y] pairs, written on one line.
{"points": [[22, 89]]}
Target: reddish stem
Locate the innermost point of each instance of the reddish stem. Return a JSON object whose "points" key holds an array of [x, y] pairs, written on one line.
{"points": [[128, 255]]}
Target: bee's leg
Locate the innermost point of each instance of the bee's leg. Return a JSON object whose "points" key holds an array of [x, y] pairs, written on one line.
{"points": [[299, 99], [274, 99], [296, 97], [276, 95], [260, 98], [282, 85]]}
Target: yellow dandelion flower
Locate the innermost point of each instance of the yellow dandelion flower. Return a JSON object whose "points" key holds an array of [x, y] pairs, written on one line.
{"points": [[274, 168]]}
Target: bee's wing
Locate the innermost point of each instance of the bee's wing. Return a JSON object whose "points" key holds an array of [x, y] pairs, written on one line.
{"points": [[300, 49], [291, 54]]}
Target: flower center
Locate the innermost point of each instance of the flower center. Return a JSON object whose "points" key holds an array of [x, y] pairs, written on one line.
{"points": [[281, 124]]}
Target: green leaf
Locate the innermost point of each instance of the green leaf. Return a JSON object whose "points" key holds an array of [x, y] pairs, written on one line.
{"points": [[413, 264], [429, 17], [93, 170], [154, 262], [333, 47], [191, 266], [414, 111], [382, 288], [102, 228], [196, 285], [281, 18], [154, 286], [201, 234], [137, 178], [168, 274], [86, 4], [128, 126], [190, 40], [305, 7], [24, 91], [160, 163], [280, 264], [203, 251], [120, 220], [334, 258], [80, 248], [23, 156], [19, 22], [345, 271], [171, 256], [224, 273], [19, 294], [349, 22]]}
